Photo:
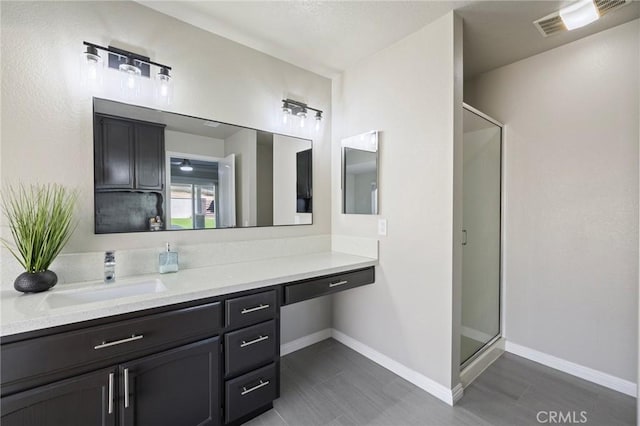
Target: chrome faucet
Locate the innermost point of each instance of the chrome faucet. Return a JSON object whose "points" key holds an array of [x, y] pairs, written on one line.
{"points": [[109, 266]]}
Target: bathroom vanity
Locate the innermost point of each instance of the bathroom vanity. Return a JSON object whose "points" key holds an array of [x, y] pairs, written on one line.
{"points": [[197, 354]]}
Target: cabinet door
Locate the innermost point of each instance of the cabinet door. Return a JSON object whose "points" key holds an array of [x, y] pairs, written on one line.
{"points": [[176, 387], [113, 154], [149, 157], [79, 401], [304, 181]]}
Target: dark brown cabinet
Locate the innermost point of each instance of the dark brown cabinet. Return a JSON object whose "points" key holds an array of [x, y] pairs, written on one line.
{"points": [[149, 158], [79, 401], [114, 154], [128, 154], [206, 362], [304, 177], [176, 387]]}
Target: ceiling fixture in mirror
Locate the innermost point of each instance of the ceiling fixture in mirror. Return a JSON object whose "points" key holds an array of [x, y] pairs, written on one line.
{"points": [[193, 173], [132, 70], [299, 110]]}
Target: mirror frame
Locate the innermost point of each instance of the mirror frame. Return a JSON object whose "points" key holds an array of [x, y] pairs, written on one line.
{"points": [[125, 104]]}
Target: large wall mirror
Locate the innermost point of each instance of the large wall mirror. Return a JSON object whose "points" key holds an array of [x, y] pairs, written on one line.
{"points": [[360, 174], [156, 171]]}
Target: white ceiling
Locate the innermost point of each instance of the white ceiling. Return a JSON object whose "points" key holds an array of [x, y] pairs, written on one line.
{"points": [[328, 36]]}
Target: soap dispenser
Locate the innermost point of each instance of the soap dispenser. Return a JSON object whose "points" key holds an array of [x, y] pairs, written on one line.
{"points": [[168, 261]]}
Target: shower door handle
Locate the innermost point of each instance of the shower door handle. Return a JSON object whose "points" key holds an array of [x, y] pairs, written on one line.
{"points": [[464, 237]]}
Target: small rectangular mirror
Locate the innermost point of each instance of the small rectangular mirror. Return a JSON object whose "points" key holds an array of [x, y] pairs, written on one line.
{"points": [[360, 174]]}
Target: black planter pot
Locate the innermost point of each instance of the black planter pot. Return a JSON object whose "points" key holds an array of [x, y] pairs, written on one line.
{"points": [[35, 282]]}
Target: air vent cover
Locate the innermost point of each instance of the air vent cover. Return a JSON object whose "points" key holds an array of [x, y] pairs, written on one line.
{"points": [[552, 24]]}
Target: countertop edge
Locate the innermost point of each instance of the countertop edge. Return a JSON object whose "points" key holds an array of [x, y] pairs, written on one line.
{"points": [[133, 304]]}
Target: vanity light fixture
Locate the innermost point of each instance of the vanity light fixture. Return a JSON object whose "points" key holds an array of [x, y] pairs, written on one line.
{"points": [[299, 109], [133, 67], [186, 166], [92, 66]]}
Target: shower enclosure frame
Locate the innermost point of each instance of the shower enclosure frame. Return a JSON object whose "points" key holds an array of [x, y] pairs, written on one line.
{"points": [[501, 271]]}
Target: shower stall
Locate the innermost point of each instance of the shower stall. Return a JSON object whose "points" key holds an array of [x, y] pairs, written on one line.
{"points": [[481, 233]]}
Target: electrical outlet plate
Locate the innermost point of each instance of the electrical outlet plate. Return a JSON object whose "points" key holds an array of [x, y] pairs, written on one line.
{"points": [[382, 226]]}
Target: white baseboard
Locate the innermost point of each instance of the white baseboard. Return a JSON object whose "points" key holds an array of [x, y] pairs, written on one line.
{"points": [[304, 341], [449, 396], [586, 373]]}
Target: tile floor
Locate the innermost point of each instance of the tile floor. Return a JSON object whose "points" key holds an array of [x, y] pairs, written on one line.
{"points": [[330, 384]]}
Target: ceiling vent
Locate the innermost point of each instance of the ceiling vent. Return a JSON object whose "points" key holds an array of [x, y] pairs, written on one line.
{"points": [[552, 24]]}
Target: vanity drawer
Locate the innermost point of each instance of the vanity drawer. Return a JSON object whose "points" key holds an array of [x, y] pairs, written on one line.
{"points": [[322, 286], [252, 309], [250, 392], [249, 347], [45, 358]]}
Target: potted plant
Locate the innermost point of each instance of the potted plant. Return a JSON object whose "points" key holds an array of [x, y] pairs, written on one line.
{"points": [[41, 222]]}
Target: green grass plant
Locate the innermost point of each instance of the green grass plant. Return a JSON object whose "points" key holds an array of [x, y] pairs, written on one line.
{"points": [[41, 221]]}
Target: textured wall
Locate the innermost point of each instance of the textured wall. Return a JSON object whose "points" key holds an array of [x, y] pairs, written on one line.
{"points": [[571, 252], [47, 116], [408, 92]]}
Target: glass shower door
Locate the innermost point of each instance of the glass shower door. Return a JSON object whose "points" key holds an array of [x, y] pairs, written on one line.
{"points": [[481, 233]]}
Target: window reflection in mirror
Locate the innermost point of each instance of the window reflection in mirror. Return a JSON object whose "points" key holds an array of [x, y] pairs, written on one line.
{"points": [[156, 170], [360, 174]]}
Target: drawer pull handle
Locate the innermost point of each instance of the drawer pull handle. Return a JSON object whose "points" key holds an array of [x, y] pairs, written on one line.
{"points": [[257, 308], [126, 388], [110, 393], [256, 387], [133, 338], [251, 342], [338, 283]]}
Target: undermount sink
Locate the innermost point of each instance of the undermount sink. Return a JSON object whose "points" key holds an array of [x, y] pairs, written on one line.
{"points": [[101, 292]]}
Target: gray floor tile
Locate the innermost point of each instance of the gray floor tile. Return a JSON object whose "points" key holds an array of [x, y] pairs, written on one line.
{"points": [[328, 384], [304, 405], [270, 418]]}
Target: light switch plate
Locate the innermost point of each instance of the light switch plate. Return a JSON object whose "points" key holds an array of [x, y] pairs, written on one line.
{"points": [[382, 226]]}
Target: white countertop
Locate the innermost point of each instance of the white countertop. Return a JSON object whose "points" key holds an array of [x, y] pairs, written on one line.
{"points": [[21, 313]]}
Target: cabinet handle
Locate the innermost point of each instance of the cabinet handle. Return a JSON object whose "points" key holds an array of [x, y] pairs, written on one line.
{"points": [[251, 342], [119, 342], [338, 283], [256, 387], [126, 388], [110, 393], [464, 237], [257, 308]]}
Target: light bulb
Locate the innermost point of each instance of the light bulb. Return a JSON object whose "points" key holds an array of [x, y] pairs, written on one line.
{"points": [[163, 85], [286, 112], [318, 121], [579, 14], [302, 115], [129, 79], [91, 68]]}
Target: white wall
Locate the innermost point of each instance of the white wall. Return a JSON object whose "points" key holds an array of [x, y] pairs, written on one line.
{"points": [[409, 91], [188, 143], [243, 143], [47, 133], [571, 255], [284, 181]]}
